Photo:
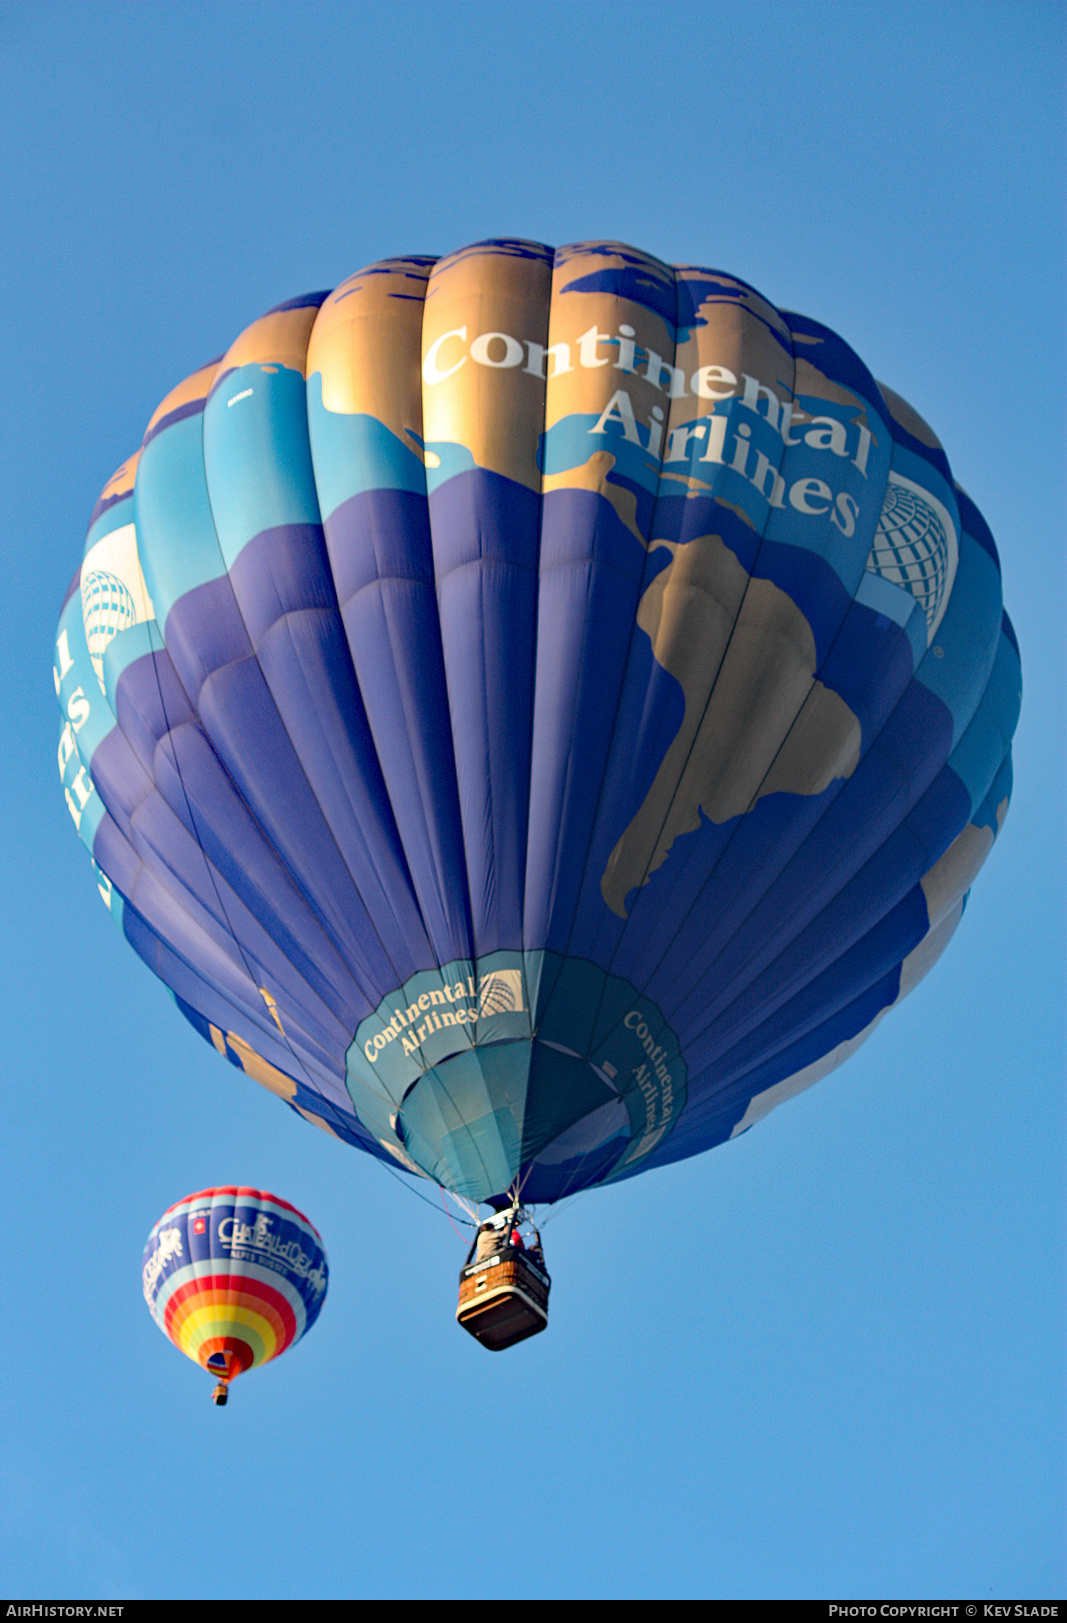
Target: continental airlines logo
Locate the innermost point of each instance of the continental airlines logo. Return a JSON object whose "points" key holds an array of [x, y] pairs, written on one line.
{"points": [[566, 1016], [915, 547], [462, 1004], [653, 1080], [113, 593], [692, 442]]}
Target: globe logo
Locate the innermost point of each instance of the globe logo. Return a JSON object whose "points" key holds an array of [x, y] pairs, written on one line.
{"points": [[107, 609], [501, 992], [911, 548]]}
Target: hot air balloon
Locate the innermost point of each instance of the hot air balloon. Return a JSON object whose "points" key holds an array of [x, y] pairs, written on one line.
{"points": [[536, 710], [233, 1277]]}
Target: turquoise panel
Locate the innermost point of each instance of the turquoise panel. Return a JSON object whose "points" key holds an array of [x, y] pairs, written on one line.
{"points": [[356, 453], [86, 720], [111, 519], [978, 756], [175, 530], [257, 456], [956, 667], [472, 1070]]}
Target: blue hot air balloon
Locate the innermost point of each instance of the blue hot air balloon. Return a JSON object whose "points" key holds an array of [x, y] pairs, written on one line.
{"points": [[536, 709]]}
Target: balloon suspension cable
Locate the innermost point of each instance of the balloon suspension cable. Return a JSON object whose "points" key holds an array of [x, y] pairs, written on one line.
{"points": [[448, 1214], [521, 1184], [465, 1205], [517, 1212], [527, 1214], [564, 1205], [471, 1219], [412, 1190]]}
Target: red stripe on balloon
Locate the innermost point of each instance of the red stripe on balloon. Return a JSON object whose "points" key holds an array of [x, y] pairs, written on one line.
{"points": [[239, 1355], [211, 1290], [252, 1197]]}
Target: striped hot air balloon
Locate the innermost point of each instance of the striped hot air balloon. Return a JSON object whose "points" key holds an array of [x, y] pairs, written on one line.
{"points": [[233, 1277]]}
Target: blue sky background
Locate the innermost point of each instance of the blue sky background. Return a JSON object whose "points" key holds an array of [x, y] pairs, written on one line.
{"points": [[825, 1360]]}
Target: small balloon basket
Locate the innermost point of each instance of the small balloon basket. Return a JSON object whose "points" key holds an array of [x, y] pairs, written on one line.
{"points": [[503, 1287], [222, 1362]]}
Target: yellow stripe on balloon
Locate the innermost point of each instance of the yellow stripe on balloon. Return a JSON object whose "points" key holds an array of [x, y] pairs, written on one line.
{"points": [[223, 1301], [243, 1322]]}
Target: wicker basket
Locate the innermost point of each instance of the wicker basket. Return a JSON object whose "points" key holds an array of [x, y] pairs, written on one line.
{"points": [[503, 1299]]}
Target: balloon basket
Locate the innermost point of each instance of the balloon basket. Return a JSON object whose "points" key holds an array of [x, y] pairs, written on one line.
{"points": [[220, 1395], [502, 1300]]}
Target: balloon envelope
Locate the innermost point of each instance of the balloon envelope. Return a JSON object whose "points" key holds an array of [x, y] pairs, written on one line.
{"points": [[536, 709], [234, 1277]]}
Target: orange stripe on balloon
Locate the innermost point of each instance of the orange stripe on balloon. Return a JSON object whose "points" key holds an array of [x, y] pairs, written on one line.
{"points": [[239, 1355], [226, 1287], [283, 1325], [212, 1326], [224, 1316]]}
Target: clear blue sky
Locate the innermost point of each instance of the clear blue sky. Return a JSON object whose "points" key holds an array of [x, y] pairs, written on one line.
{"points": [[825, 1360]]}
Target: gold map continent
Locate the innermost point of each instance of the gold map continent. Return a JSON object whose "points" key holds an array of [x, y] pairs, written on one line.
{"points": [[756, 720]]}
